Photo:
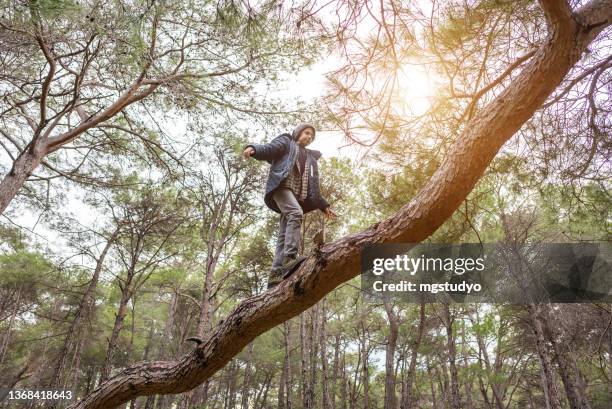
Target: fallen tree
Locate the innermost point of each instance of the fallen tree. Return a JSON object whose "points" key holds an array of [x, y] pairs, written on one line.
{"points": [[569, 34]]}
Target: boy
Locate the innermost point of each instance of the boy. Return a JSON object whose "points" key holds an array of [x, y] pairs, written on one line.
{"points": [[292, 190]]}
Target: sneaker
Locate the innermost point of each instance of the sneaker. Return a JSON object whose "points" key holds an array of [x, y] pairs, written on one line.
{"points": [[274, 278], [291, 266]]}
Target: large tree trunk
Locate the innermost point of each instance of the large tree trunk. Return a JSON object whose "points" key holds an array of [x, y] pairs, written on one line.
{"points": [[334, 263]]}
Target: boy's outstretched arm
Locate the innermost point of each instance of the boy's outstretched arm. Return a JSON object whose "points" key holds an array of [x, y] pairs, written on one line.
{"points": [[267, 151]]}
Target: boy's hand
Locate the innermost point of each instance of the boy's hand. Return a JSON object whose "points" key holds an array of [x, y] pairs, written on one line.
{"points": [[248, 152], [329, 213]]}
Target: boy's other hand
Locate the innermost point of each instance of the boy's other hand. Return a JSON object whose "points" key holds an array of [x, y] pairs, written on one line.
{"points": [[248, 152], [329, 213]]}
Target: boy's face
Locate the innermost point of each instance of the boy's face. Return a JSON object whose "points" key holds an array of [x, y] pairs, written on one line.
{"points": [[305, 137]]}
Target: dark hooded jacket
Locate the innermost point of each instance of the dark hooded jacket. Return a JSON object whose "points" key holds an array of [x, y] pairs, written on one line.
{"points": [[281, 153]]}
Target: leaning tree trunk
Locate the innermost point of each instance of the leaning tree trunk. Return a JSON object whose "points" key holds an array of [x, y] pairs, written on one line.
{"points": [[334, 263]]}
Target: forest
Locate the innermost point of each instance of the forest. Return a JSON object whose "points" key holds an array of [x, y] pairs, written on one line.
{"points": [[135, 244]]}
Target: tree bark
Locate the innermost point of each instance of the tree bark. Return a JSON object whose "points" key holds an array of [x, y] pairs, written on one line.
{"points": [[334, 263]]}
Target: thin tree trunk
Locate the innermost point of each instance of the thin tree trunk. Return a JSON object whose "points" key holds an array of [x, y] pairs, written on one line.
{"points": [[246, 382], [366, 372], [7, 335], [468, 383], [281, 389], [8, 386], [568, 369], [305, 349], [126, 294], [314, 348], [390, 399], [266, 388], [407, 401], [452, 356], [324, 370], [497, 394], [550, 390], [343, 395], [287, 367], [334, 381], [432, 385]]}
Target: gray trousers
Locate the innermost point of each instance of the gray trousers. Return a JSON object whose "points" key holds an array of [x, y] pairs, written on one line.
{"points": [[290, 226]]}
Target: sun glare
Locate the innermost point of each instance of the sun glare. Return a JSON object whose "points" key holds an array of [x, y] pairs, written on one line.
{"points": [[417, 88]]}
